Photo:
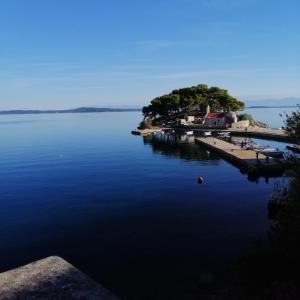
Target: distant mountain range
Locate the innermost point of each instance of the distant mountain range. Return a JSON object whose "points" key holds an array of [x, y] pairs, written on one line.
{"points": [[284, 102], [67, 111]]}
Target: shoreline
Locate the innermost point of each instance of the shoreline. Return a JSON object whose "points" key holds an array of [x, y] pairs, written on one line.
{"points": [[252, 131]]}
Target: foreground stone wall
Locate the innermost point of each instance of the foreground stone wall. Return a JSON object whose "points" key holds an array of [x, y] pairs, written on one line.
{"points": [[50, 278], [241, 124]]}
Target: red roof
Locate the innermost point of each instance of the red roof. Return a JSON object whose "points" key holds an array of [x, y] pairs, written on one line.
{"points": [[215, 115]]}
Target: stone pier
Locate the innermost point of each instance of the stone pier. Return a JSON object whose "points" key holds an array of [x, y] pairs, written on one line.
{"points": [[48, 279]]}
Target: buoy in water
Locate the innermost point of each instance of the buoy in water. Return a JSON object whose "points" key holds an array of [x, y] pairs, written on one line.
{"points": [[200, 179]]}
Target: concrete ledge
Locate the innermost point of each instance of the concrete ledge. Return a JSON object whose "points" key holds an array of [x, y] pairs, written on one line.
{"points": [[50, 278], [146, 131], [245, 159]]}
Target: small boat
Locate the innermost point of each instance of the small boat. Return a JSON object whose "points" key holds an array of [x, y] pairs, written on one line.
{"points": [[294, 148], [207, 133], [254, 146], [189, 132], [272, 152], [223, 134]]}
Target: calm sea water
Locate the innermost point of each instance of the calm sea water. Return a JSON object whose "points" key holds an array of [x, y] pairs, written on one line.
{"points": [[270, 116], [126, 210]]}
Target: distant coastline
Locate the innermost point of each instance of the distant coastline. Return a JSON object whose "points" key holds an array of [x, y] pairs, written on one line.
{"points": [[101, 110], [267, 106], [66, 111]]}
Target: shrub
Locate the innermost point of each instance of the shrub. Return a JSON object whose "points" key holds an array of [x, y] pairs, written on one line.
{"points": [[146, 124]]}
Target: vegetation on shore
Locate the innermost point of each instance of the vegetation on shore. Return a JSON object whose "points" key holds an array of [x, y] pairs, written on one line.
{"points": [[191, 99], [146, 124], [246, 117], [252, 122], [292, 124], [271, 270]]}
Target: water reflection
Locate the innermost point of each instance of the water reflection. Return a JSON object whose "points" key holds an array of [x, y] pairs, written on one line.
{"points": [[269, 270], [180, 146], [184, 147]]}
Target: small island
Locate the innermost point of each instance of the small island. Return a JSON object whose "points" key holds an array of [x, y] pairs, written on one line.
{"points": [[196, 107], [209, 115]]}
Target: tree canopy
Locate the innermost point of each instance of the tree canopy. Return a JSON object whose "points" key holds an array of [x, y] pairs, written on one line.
{"points": [[292, 124], [191, 99]]}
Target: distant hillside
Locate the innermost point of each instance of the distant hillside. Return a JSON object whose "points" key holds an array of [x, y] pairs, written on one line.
{"points": [[284, 102], [67, 111]]}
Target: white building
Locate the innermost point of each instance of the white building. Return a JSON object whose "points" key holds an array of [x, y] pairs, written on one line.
{"points": [[215, 119]]}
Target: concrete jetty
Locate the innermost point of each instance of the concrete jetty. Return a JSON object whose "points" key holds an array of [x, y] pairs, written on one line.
{"points": [[255, 132], [251, 131], [145, 132], [263, 133], [50, 278], [244, 159], [150, 131]]}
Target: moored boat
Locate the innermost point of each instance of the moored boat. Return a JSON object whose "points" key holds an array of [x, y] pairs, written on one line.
{"points": [[223, 134], [272, 152], [207, 133], [294, 148], [255, 147]]}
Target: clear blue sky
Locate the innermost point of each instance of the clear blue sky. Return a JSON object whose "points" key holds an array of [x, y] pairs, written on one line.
{"points": [[117, 53]]}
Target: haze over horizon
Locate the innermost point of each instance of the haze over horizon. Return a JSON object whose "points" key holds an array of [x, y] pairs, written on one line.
{"points": [[293, 102], [67, 54]]}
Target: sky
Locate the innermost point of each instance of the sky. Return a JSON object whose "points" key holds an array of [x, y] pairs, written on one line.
{"points": [[123, 53]]}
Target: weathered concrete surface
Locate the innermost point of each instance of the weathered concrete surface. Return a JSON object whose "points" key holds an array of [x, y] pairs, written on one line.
{"points": [[252, 131], [242, 157], [259, 132], [146, 131], [50, 278]]}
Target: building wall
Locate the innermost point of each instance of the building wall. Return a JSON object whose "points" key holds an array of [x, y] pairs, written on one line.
{"points": [[214, 121], [190, 118]]}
